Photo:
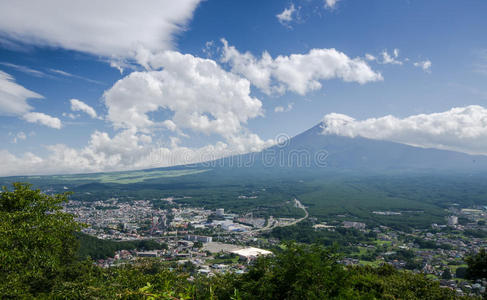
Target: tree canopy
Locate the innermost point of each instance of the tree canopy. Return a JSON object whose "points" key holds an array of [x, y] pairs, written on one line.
{"points": [[37, 240]]}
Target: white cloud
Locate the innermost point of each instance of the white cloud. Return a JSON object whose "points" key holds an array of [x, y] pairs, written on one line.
{"points": [[280, 109], [110, 28], [13, 96], [299, 73], [42, 118], [461, 129], [12, 165], [127, 150], [425, 65], [13, 102], [202, 96], [77, 105], [391, 59], [370, 57], [286, 16], [330, 4]]}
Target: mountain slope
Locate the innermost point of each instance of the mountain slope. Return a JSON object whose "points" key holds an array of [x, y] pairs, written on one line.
{"points": [[311, 149]]}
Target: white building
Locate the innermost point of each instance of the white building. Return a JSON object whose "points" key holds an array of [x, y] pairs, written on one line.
{"points": [[251, 253], [452, 220], [220, 212], [199, 238]]}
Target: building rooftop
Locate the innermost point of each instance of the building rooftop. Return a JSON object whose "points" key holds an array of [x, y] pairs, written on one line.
{"points": [[251, 252]]}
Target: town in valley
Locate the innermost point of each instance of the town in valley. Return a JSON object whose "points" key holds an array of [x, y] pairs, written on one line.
{"points": [[212, 241]]}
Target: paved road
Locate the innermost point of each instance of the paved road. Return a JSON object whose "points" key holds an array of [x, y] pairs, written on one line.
{"points": [[298, 204], [271, 224]]}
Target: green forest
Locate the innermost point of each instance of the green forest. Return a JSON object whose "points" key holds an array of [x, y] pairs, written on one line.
{"points": [[40, 258], [95, 248]]}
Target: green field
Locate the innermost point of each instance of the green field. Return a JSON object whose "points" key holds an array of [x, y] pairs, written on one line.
{"points": [[125, 177]]}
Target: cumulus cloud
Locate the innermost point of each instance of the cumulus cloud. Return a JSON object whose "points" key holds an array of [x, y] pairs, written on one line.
{"points": [[42, 118], [425, 65], [286, 16], [299, 73], [78, 105], [201, 96], [178, 95], [462, 129], [110, 28]]}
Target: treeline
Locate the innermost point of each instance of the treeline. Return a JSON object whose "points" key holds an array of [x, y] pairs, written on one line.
{"points": [[94, 248], [39, 259]]}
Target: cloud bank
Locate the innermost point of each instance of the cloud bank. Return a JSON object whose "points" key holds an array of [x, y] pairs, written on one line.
{"points": [[462, 129], [127, 150]]}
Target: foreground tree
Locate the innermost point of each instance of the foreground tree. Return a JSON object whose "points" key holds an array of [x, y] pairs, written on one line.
{"points": [[37, 244]]}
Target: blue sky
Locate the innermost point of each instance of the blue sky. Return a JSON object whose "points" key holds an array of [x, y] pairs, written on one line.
{"points": [[414, 72]]}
